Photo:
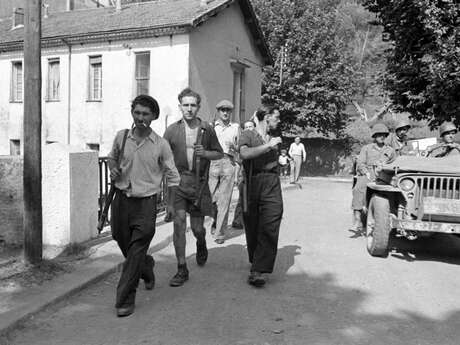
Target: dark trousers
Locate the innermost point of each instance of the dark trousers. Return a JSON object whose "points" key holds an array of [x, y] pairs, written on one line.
{"points": [[262, 221], [133, 226]]}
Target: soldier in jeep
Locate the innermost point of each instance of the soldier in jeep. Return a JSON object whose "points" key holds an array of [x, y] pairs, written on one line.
{"points": [[447, 146], [398, 139]]}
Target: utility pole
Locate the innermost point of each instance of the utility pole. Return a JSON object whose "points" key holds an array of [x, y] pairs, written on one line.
{"points": [[32, 173]]}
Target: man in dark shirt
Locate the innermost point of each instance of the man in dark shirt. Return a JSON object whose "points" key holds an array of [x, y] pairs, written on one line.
{"points": [[259, 151], [194, 144]]}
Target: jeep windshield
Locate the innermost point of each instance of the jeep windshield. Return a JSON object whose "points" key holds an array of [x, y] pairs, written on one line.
{"points": [[445, 165]]}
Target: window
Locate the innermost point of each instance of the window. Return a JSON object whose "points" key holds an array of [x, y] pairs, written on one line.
{"points": [[95, 78], [92, 146], [16, 82], [53, 80], [142, 73], [15, 147], [239, 92]]}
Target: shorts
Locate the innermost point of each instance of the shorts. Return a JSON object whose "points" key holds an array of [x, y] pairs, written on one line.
{"points": [[186, 196]]}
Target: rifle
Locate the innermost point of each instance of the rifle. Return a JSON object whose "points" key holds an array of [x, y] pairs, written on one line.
{"points": [[199, 140], [108, 200]]}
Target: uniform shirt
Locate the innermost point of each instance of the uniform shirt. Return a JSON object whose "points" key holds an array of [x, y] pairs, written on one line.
{"points": [[401, 147], [371, 155], [143, 166], [298, 150], [442, 150], [228, 136], [175, 135], [266, 161]]}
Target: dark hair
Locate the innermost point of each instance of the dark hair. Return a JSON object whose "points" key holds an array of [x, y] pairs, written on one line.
{"points": [[146, 101], [265, 110], [188, 92]]}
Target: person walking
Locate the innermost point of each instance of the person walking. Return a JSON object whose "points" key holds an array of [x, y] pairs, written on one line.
{"points": [[144, 158], [259, 152], [299, 156], [368, 164], [194, 144], [222, 171]]}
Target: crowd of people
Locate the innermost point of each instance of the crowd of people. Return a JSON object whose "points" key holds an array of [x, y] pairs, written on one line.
{"points": [[200, 162]]}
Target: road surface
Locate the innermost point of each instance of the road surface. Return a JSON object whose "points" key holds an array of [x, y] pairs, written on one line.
{"points": [[325, 289]]}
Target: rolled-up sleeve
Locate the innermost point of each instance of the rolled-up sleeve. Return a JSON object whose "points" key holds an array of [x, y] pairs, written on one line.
{"points": [[169, 167]]}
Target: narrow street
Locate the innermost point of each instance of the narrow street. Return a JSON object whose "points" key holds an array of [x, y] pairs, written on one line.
{"points": [[326, 289]]}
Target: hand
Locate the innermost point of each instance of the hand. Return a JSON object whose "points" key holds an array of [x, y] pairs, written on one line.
{"points": [[274, 142], [199, 150], [115, 174], [170, 213], [368, 175]]}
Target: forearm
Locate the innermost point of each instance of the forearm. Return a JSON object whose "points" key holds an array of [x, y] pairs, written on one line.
{"points": [[253, 152], [171, 195], [213, 155]]}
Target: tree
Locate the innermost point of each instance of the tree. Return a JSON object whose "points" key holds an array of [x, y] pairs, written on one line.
{"points": [[313, 77], [423, 62]]}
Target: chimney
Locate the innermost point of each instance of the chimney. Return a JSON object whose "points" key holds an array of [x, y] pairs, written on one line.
{"points": [[70, 5], [118, 5], [45, 10], [18, 17]]}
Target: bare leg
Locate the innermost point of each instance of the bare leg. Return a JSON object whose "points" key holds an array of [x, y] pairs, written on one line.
{"points": [[180, 222]]}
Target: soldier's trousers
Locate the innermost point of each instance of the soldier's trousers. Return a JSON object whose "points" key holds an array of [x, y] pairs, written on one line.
{"points": [[262, 221], [133, 226]]}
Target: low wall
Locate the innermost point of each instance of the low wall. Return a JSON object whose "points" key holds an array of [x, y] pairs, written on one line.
{"points": [[11, 200]]}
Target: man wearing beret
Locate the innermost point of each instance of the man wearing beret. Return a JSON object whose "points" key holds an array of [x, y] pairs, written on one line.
{"points": [[222, 171]]}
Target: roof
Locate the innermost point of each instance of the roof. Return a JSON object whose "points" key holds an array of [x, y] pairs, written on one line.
{"points": [[136, 20]]}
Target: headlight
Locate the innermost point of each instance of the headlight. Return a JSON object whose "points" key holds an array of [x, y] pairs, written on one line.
{"points": [[406, 184]]}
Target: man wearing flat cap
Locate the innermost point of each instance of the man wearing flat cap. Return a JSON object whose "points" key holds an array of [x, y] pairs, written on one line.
{"points": [[222, 171]]}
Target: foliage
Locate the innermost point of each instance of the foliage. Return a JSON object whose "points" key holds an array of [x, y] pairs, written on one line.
{"points": [[423, 63], [318, 75]]}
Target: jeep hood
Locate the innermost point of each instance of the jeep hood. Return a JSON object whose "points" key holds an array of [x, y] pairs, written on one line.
{"points": [[445, 165]]}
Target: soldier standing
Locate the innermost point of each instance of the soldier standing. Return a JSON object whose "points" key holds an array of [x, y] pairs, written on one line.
{"points": [[194, 144], [259, 152], [447, 147], [398, 139], [369, 162], [145, 158]]}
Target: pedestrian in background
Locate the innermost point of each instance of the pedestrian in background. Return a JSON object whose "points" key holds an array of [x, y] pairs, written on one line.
{"points": [[299, 156], [368, 164], [194, 144], [259, 151], [283, 161], [222, 171], [145, 159]]}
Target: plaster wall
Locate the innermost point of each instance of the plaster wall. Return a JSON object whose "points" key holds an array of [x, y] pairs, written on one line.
{"points": [[11, 200], [213, 45], [96, 122]]}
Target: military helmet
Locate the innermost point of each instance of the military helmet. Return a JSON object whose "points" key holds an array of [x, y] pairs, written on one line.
{"points": [[447, 127], [379, 128], [402, 123]]}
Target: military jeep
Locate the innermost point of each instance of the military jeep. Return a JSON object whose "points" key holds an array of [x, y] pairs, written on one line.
{"points": [[415, 197]]}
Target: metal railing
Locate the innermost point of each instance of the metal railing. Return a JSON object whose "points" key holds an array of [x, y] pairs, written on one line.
{"points": [[104, 187]]}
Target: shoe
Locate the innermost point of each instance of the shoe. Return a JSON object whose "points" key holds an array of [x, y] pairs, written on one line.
{"points": [[125, 311], [256, 279], [237, 225], [219, 241], [179, 278], [201, 253], [149, 275]]}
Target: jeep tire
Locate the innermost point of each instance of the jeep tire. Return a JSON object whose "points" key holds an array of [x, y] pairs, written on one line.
{"points": [[378, 226]]}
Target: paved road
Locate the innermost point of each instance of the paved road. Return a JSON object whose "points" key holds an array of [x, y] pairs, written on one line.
{"points": [[326, 290]]}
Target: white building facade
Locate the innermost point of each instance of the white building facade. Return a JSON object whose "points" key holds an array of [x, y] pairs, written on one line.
{"points": [[89, 78]]}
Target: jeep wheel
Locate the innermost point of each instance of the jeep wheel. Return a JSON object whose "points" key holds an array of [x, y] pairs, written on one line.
{"points": [[378, 226]]}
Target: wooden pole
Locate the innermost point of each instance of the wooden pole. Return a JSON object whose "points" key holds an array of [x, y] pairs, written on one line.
{"points": [[32, 180]]}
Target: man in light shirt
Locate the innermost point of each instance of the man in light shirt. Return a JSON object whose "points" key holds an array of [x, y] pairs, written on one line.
{"points": [[222, 171], [145, 159], [298, 154]]}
